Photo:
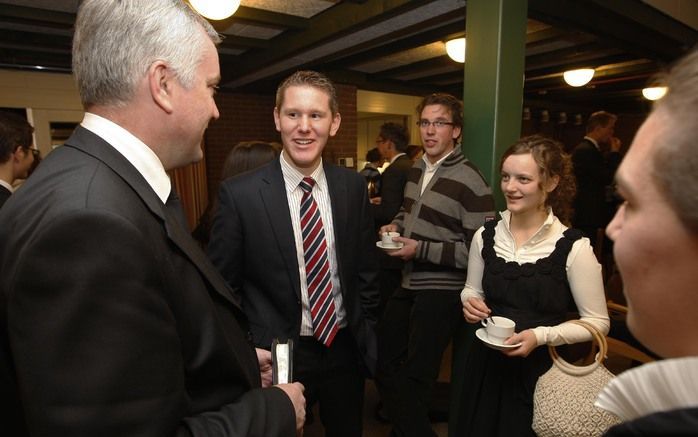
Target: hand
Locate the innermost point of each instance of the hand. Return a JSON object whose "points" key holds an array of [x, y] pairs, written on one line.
{"points": [[375, 200], [408, 250], [528, 342], [387, 228], [265, 366], [295, 392], [475, 309], [615, 144]]}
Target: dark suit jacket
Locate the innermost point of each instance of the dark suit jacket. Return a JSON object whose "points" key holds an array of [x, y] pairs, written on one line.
{"points": [[113, 321], [392, 194], [252, 244], [590, 173], [678, 422], [393, 190], [4, 195]]}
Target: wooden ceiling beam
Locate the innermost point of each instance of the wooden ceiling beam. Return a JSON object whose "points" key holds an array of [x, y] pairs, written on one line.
{"points": [[327, 25], [262, 17]]}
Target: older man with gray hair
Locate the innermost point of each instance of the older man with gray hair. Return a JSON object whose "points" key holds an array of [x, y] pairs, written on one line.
{"points": [[113, 322]]}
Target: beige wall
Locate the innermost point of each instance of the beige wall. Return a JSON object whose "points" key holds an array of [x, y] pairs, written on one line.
{"points": [[374, 109], [48, 97]]}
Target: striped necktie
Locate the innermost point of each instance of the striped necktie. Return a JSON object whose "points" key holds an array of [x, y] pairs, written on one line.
{"points": [[317, 267]]}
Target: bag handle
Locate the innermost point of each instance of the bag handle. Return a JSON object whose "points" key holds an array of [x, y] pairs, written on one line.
{"points": [[597, 337]]}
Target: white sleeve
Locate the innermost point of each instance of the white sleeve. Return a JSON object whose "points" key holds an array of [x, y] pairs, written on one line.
{"points": [[586, 283], [476, 266]]}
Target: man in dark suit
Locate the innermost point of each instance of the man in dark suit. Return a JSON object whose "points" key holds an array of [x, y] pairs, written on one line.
{"points": [[112, 320], [593, 175], [16, 155], [391, 143], [295, 240]]}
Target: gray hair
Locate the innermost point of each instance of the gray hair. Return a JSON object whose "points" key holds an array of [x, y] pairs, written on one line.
{"points": [[115, 43], [675, 168]]}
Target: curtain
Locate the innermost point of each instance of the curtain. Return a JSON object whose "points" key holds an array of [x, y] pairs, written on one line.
{"points": [[191, 184]]}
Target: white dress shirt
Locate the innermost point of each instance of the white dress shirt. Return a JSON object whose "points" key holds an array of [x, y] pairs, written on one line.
{"points": [[430, 170], [7, 185], [583, 275], [134, 150], [294, 193]]}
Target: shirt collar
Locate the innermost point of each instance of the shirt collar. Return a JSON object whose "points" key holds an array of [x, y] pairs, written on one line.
{"points": [[7, 185], [651, 388], [593, 141], [541, 233], [396, 157], [134, 150], [293, 177], [433, 167]]}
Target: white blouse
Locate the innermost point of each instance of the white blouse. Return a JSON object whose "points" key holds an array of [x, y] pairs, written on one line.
{"points": [[583, 275]]}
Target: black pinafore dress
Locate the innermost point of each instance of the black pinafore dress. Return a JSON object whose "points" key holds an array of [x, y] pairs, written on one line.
{"points": [[498, 396]]}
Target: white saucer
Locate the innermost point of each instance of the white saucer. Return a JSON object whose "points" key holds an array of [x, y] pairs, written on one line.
{"points": [[482, 335], [399, 245]]}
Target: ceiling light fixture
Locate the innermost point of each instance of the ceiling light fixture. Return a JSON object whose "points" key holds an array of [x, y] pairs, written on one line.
{"points": [[654, 93], [579, 77], [456, 49], [215, 9]]}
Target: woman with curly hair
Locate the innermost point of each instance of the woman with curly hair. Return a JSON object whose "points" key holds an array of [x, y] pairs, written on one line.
{"points": [[531, 268]]}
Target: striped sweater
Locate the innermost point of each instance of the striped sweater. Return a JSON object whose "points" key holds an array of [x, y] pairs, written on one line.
{"points": [[443, 220]]}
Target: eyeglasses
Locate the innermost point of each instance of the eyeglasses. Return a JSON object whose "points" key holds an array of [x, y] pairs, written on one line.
{"points": [[437, 124]]}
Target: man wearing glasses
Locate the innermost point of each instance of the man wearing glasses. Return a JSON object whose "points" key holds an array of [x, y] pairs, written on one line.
{"points": [[16, 153], [446, 201]]}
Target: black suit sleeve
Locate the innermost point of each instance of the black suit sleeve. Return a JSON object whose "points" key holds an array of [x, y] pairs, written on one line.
{"points": [[392, 194], [96, 340], [226, 245]]}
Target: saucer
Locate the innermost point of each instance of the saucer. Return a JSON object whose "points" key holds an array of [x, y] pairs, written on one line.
{"points": [[399, 245], [482, 335]]}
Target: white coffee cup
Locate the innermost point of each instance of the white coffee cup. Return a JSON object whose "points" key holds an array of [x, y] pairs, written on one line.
{"points": [[387, 239], [500, 330]]}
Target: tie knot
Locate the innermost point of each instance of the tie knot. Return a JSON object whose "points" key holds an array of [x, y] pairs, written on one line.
{"points": [[307, 184]]}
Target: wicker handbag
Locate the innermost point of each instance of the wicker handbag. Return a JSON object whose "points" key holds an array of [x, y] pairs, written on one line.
{"points": [[563, 403]]}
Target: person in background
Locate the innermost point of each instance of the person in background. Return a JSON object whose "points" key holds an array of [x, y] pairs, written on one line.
{"points": [[655, 235], [391, 143], [593, 174], [296, 242], [446, 200], [529, 267], [372, 174], [112, 321], [244, 156], [16, 153], [414, 152]]}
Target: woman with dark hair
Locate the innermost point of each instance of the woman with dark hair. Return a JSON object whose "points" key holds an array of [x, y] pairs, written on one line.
{"points": [[528, 267], [244, 156]]}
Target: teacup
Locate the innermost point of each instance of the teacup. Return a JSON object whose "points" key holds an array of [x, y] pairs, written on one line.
{"points": [[499, 329], [387, 239]]}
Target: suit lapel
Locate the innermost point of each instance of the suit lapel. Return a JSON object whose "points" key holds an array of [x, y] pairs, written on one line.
{"points": [[340, 208], [273, 194], [95, 146]]}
